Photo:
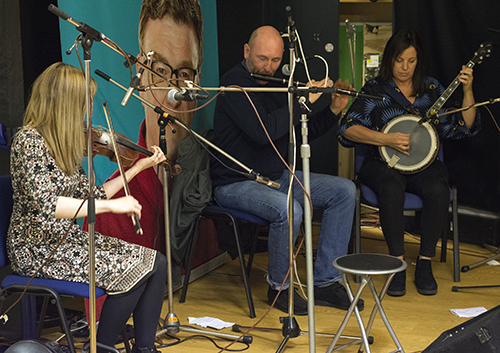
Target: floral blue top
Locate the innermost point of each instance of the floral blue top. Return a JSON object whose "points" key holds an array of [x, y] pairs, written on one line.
{"points": [[374, 114]]}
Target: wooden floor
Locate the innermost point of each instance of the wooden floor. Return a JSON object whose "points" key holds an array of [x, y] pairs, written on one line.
{"points": [[417, 320]]}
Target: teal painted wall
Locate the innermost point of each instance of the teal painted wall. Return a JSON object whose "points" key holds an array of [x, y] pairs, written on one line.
{"points": [[119, 21]]}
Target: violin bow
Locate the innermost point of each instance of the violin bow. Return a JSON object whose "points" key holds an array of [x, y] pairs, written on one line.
{"points": [[135, 217]]}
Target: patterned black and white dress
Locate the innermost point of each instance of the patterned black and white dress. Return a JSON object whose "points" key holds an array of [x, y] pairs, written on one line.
{"points": [[34, 231]]}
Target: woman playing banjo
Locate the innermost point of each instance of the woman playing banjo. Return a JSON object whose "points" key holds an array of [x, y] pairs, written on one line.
{"points": [[409, 95]]}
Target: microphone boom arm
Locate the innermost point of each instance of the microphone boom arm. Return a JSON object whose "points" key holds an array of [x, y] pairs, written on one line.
{"points": [[251, 173], [491, 101]]}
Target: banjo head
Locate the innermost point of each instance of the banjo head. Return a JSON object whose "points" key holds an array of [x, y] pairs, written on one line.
{"points": [[424, 144]]}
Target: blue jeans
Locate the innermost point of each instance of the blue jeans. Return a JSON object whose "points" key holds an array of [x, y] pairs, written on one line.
{"points": [[333, 194]]}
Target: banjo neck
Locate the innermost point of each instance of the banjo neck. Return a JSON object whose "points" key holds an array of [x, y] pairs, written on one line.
{"points": [[484, 50], [438, 104]]}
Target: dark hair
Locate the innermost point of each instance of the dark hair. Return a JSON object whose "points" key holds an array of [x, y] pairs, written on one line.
{"points": [[185, 12], [397, 44]]}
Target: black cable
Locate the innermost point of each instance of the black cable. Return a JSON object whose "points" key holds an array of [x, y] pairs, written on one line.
{"points": [[179, 341]]}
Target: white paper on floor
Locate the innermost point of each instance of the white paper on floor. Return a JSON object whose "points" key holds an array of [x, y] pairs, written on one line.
{"points": [[469, 312], [208, 321]]}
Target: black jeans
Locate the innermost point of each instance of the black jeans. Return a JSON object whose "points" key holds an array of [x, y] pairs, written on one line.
{"points": [[431, 185]]}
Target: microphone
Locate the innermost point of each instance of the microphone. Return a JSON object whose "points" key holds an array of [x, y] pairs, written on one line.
{"points": [[276, 79], [332, 89], [174, 96], [82, 27], [252, 175], [358, 94], [136, 81], [285, 69], [288, 10]]}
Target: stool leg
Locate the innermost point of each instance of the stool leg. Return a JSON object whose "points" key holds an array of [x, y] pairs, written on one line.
{"points": [[378, 304], [380, 297], [353, 307]]}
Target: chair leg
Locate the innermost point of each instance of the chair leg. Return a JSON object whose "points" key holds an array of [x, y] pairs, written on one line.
{"points": [[252, 250], [243, 269], [357, 228], [43, 311], [189, 263], [125, 340], [444, 244], [62, 316], [456, 243]]}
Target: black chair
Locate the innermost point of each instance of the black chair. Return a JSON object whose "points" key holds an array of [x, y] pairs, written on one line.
{"points": [[412, 203], [236, 219], [49, 289]]}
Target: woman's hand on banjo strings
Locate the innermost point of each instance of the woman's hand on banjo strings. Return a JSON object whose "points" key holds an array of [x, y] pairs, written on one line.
{"points": [[399, 141]]}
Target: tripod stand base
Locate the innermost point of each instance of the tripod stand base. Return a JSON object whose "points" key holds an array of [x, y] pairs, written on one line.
{"points": [[482, 262], [455, 288], [244, 339]]}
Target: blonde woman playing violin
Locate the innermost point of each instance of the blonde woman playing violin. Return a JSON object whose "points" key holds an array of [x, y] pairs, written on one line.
{"points": [[50, 185]]}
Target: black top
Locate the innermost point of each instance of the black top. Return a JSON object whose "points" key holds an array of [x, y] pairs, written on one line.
{"points": [[239, 132]]}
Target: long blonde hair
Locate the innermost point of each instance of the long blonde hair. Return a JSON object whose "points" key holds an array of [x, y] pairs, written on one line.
{"points": [[57, 110]]}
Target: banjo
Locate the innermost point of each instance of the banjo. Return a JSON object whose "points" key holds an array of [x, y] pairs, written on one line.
{"points": [[424, 139]]}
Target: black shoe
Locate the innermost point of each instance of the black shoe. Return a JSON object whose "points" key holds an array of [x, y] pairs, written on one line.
{"points": [[424, 280], [335, 295], [299, 303], [397, 288]]}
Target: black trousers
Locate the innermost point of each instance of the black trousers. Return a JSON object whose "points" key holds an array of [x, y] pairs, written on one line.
{"points": [[431, 185], [144, 301]]}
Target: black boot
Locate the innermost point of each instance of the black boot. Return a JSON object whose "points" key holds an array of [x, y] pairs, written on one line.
{"points": [[397, 288], [424, 280]]}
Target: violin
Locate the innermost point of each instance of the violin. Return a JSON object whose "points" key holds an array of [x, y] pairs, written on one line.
{"points": [[128, 151]]}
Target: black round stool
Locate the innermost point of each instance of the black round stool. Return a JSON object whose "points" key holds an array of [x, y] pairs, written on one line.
{"points": [[365, 266]]}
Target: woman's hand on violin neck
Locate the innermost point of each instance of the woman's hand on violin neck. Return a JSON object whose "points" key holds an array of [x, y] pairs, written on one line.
{"points": [[126, 204], [155, 159], [112, 186]]}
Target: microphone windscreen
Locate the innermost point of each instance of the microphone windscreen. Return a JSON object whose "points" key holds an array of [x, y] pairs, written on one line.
{"points": [[285, 70]]}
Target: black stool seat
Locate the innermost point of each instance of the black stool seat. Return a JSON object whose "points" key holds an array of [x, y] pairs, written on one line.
{"points": [[369, 264], [366, 266]]}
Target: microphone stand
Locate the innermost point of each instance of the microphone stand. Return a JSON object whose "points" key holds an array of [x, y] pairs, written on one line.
{"points": [[351, 39], [290, 328], [89, 35], [305, 152], [171, 323], [87, 44]]}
